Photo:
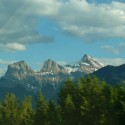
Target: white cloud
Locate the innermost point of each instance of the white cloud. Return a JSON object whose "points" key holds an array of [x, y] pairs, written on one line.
{"points": [[6, 62], [111, 49], [91, 22], [2, 71], [115, 50], [3, 65], [112, 61], [122, 45], [12, 47]]}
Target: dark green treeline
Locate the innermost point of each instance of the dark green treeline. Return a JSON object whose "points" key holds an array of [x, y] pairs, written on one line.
{"points": [[87, 102]]}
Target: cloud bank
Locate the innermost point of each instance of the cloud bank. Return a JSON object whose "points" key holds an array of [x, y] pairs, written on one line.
{"points": [[18, 25], [92, 22], [115, 50], [88, 21], [111, 49], [113, 61]]}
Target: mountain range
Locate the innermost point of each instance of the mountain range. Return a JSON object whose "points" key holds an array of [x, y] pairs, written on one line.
{"points": [[20, 77], [22, 80]]}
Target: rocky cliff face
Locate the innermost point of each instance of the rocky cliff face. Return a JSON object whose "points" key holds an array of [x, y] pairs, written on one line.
{"points": [[19, 70], [19, 73], [48, 79], [50, 66]]}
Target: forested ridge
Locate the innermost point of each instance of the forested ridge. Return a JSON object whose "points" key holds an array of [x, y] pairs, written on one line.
{"points": [[88, 101]]}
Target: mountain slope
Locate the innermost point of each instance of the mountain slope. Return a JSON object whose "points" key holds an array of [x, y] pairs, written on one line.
{"points": [[111, 74]]}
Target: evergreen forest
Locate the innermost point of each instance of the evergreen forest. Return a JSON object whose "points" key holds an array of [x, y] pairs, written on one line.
{"points": [[87, 101]]}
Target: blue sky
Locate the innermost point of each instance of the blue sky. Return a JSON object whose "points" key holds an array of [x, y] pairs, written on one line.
{"points": [[63, 30]]}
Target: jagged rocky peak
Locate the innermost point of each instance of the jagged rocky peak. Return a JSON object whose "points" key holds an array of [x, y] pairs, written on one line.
{"points": [[19, 68], [91, 61], [85, 57], [86, 65], [52, 67]]}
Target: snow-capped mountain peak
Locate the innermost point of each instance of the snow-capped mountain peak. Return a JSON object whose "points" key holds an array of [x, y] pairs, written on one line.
{"points": [[88, 60], [87, 65]]}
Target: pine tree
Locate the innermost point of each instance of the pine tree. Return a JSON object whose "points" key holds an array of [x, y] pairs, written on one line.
{"points": [[41, 114], [53, 114], [26, 113], [9, 110]]}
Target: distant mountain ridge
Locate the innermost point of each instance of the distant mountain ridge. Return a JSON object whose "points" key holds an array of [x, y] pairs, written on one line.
{"points": [[111, 74], [49, 78], [22, 80]]}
